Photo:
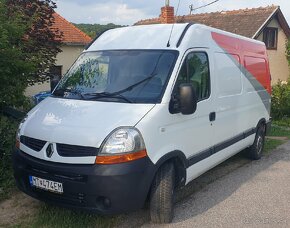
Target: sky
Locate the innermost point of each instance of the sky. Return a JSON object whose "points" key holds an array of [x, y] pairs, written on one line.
{"points": [[128, 12]]}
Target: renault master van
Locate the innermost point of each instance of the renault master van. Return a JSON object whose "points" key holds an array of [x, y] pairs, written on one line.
{"points": [[141, 114]]}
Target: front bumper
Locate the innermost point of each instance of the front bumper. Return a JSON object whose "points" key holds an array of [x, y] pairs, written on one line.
{"points": [[104, 189]]}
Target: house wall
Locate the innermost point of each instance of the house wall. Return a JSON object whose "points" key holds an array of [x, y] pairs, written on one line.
{"points": [[65, 59], [68, 56], [278, 63]]}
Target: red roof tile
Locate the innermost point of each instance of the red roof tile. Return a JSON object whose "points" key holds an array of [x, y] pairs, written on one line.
{"points": [[245, 22], [71, 34]]}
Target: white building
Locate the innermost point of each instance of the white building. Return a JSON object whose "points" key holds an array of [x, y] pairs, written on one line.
{"points": [[74, 41]]}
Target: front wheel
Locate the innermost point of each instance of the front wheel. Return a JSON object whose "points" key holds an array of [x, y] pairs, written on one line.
{"points": [[255, 151], [162, 194]]}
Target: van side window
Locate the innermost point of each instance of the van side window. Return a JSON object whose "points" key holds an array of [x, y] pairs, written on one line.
{"points": [[195, 70]]}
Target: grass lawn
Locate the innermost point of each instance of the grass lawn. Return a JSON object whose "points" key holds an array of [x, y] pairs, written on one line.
{"points": [[285, 122], [279, 129], [50, 216], [271, 144]]}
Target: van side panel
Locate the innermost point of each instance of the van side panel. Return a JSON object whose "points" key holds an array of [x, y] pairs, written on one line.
{"points": [[242, 48], [229, 102], [242, 98], [229, 80], [254, 64]]}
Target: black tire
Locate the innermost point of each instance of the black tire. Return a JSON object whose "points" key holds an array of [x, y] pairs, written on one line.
{"points": [[162, 194], [256, 150]]}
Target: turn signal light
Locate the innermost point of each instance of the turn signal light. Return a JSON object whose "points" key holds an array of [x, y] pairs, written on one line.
{"points": [[122, 158], [17, 144]]}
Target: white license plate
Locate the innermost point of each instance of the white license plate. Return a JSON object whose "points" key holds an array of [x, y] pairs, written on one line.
{"points": [[47, 185]]}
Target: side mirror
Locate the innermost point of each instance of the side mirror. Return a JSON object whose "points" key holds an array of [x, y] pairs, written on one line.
{"points": [[53, 82], [187, 99]]}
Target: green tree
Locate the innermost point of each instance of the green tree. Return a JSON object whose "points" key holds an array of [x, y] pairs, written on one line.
{"points": [[28, 47], [94, 30]]}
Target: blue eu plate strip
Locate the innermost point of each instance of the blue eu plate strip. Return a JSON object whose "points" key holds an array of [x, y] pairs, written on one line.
{"points": [[30, 180]]}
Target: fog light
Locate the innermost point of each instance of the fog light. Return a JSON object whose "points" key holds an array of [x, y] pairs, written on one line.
{"points": [[103, 202], [107, 202]]}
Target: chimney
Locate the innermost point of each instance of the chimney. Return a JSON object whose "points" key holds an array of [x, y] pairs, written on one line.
{"points": [[167, 14]]}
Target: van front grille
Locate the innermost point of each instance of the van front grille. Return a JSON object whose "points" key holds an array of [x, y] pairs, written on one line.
{"points": [[66, 150], [34, 144]]}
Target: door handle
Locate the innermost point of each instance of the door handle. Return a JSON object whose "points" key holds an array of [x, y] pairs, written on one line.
{"points": [[212, 116]]}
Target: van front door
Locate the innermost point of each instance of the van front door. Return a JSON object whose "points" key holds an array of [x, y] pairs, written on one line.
{"points": [[194, 133]]}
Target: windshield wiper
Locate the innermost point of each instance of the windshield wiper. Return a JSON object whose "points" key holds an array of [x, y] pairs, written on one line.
{"points": [[134, 85], [60, 92], [118, 94], [106, 95]]}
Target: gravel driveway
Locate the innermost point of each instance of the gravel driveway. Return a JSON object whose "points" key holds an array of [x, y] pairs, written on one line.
{"points": [[238, 193]]}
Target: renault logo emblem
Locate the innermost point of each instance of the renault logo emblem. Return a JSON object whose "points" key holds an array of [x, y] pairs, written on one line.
{"points": [[49, 150]]}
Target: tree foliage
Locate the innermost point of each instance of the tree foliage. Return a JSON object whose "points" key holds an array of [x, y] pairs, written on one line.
{"points": [[8, 128], [28, 46], [281, 100], [94, 30]]}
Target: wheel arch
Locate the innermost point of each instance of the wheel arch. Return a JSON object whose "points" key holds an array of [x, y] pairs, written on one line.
{"points": [[180, 164], [262, 122]]}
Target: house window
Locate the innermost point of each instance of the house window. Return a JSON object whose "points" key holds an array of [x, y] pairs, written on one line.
{"points": [[270, 38], [56, 71]]}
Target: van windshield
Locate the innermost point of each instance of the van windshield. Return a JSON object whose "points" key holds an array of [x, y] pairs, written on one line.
{"points": [[135, 76]]}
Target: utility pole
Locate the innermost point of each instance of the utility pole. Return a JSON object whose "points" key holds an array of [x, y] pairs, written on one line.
{"points": [[190, 9]]}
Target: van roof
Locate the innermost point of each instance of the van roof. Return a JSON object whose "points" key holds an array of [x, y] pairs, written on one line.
{"points": [[139, 37], [157, 36]]}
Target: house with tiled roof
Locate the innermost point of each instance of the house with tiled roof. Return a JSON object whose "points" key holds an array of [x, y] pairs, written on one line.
{"points": [[73, 43], [266, 24]]}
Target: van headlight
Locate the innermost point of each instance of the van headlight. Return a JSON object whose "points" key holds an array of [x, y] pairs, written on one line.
{"points": [[122, 145]]}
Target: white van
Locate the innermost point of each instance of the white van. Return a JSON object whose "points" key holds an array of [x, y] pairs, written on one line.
{"points": [[140, 114]]}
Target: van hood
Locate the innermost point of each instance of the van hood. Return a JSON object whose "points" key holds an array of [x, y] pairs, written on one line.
{"points": [[79, 122]]}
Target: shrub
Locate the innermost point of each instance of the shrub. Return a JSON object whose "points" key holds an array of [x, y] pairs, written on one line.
{"points": [[281, 100], [8, 129], [28, 47]]}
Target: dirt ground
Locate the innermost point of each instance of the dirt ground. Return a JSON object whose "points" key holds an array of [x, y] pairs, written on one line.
{"points": [[14, 210]]}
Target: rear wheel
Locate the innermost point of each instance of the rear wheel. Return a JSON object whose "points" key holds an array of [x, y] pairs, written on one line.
{"points": [[255, 151], [162, 194]]}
